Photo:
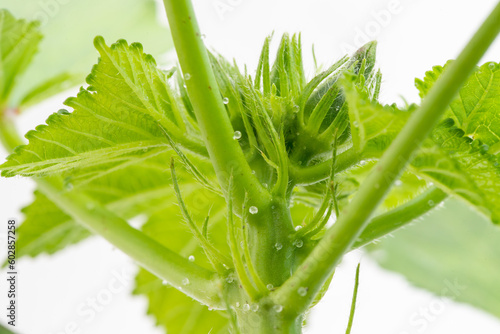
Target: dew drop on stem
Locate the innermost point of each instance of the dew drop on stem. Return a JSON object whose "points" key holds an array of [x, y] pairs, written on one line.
{"points": [[164, 282], [185, 281], [187, 76], [191, 258], [298, 227], [270, 286], [431, 202], [236, 135], [253, 210], [246, 307], [277, 308], [298, 243], [255, 307], [225, 100], [278, 246], [302, 291]]}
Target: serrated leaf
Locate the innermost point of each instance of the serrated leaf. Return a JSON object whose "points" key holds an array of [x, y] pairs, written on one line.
{"points": [[462, 168], [18, 44], [476, 109], [137, 20], [115, 123], [453, 252]]}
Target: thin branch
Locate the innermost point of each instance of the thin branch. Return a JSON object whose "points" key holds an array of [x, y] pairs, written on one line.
{"points": [[319, 172], [321, 262], [353, 303], [390, 221]]}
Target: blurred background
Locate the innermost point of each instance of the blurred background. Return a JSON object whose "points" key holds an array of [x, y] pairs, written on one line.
{"points": [[453, 252]]}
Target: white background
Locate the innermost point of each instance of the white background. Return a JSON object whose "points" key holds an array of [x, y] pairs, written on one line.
{"points": [[421, 34]]}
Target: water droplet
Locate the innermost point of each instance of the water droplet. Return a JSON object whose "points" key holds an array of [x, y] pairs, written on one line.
{"points": [[255, 307], [298, 227], [278, 246], [225, 100], [298, 243], [355, 124], [302, 291], [277, 308], [187, 76], [230, 278], [253, 210], [246, 307], [492, 66], [253, 172], [185, 281], [203, 36], [164, 282], [296, 108], [265, 185], [398, 183], [431, 202], [270, 286], [362, 162], [68, 186], [191, 258], [237, 304], [236, 135], [185, 86]]}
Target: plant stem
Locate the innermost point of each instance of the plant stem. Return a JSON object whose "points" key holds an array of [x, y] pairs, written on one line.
{"points": [[316, 173], [353, 303], [225, 152], [390, 221], [168, 265], [151, 255], [321, 262]]}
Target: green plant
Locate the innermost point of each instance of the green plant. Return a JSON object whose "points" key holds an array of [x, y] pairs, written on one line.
{"points": [[241, 150]]}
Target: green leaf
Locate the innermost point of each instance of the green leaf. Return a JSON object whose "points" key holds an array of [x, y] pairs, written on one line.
{"points": [[46, 229], [461, 167], [135, 21], [475, 111], [453, 252], [115, 122], [18, 43], [171, 308]]}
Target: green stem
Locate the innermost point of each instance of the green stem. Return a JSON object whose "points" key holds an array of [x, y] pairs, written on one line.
{"points": [[390, 221], [321, 262], [353, 303], [195, 281], [145, 251], [217, 131], [319, 172]]}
